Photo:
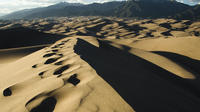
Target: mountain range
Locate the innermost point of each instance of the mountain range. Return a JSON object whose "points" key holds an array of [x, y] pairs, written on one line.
{"points": [[129, 8], [192, 13]]}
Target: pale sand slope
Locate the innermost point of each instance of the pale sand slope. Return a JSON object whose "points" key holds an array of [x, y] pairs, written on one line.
{"points": [[147, 81], [188, 46], [65, 77], [152, 65], [57, 77], [12, 54]]}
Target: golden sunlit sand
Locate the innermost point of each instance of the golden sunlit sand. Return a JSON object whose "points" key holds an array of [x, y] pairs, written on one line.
{"points": [[104, 65]]}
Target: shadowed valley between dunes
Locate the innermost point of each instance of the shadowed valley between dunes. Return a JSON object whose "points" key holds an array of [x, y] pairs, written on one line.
{"points": [[100, 64]]}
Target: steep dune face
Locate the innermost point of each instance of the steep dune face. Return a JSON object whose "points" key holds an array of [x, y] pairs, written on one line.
{"points": [[67, 76], [147, 81], [56, 79], [23, 37], [187, 46], [105, 65], [11, 55]]}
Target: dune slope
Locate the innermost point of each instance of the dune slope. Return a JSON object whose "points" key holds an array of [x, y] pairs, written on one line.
{"points": [[10, 55], [145, 83], [70, 74], [103, 65], [56, 79]]}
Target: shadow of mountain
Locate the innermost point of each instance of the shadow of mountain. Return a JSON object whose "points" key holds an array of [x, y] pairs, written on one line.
{"points": [[145, 86], [22, 37]]}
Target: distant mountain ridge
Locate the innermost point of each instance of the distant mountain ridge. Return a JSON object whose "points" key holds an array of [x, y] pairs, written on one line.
{"points": [[129, 8], [154, 0], [192, 13], [95, 9], [151, 8], [23, 13]]}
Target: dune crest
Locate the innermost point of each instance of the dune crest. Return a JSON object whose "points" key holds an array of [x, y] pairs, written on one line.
{"points": [[57, 77], [101, 64]]}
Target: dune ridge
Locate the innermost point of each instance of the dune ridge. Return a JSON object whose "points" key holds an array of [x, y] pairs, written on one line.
{"points": [[106, 65], [60, 74], [72, 84], [13, 54]]}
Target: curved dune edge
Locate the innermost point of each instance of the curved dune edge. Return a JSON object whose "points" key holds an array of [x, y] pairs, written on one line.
{"points": [[106, 65], [187, 46], [67, 77], [160, 61], [13, 54], [58, 77]]}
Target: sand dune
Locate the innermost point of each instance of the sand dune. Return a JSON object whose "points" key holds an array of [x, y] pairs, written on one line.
{"points": [[103, 65], [60, 76], [23, 37], [12, 54], [187, 46], [139, 80]]}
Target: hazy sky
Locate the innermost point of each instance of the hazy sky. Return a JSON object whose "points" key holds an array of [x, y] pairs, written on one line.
{"points": [[7, 6]]}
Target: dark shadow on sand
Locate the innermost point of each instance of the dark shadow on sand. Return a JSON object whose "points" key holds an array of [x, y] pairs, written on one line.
{"points": [[184, 61], [22, 37], [135, 28], [145, 86], [47, 105]]}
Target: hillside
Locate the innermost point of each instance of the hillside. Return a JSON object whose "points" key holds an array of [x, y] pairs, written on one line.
{"points": [[192, 13], [131, 8], [24, 13], [95, 9], [151, 9]]}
